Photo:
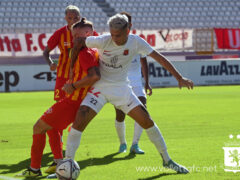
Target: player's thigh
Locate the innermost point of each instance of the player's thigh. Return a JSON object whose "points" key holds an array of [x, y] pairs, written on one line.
{"points": [[61, 114], [120, 115], [40, 127], [140, 93], [143, 100], [83, 117], [141, 116], [89, 108]]}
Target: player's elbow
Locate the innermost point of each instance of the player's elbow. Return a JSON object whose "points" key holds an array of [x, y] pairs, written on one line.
{"points": [[96, 77], [93, 78], [46, 52]]}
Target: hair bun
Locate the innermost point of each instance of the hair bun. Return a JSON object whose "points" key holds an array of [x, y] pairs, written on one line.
{"points": [[83, 19]]}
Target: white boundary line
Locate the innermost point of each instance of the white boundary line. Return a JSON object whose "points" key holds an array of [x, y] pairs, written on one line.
{"points": [[7, 178]]}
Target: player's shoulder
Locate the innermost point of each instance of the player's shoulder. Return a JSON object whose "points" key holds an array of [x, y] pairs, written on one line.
{"points": [[105, 36], [134, 37], [89, 52], [92, 50], [61, 29]]}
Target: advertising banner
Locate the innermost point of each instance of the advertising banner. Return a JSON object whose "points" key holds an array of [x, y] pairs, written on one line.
{"points": [[39, 77]]}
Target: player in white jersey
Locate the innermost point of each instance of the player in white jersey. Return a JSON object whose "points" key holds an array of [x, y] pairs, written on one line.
{"points": [[115, 54], [138, 64]]}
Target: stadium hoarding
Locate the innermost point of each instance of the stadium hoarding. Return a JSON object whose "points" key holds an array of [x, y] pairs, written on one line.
{"points": [[207, 72], [33, 44], [167, 39], [26, 78], [39, 77], [29, 44]]}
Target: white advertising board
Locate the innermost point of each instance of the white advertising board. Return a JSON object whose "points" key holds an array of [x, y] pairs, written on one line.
{"points": [[39, 77]]}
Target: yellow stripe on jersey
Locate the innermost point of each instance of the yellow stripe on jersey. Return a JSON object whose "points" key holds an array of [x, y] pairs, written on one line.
{"points": [[69, 54], [63, 59], [75, 78], [68, 64], [96, 55], [76, 93]]}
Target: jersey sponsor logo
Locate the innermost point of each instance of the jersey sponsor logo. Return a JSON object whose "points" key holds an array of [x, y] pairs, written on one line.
{"points": [[113, 64], [106, 53]]}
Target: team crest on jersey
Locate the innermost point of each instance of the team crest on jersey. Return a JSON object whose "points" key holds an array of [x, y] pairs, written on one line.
{"points": [[67, 44], [49, 111], [113, 63], [125, 52], [114, 60]]}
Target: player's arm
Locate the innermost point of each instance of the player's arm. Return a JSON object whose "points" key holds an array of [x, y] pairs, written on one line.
{"points": [[46, 55], [78, 44], [92, 77], [168, 65], [144, 65]]}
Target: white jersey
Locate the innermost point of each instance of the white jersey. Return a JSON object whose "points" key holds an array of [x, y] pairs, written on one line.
{"points": [[115, 60], [134, 72]]}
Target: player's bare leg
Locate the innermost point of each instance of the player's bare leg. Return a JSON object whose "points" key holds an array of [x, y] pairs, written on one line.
{"points": [[84, 115], [142, 117]]}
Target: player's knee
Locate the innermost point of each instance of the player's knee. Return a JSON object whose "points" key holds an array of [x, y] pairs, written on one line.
{"points": [[120, 116], [38, 128], [147, 123], [82, 112], [81, 120]]}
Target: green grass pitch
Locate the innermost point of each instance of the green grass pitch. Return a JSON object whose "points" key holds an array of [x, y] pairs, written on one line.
{"points": [[196, 126]]}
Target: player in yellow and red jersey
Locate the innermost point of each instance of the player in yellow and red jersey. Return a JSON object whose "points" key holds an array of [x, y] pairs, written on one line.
{"points": [[63, 112], [63, 39]]}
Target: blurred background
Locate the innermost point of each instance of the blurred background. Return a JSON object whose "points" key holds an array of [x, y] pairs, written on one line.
{"points": [[201, 38]]}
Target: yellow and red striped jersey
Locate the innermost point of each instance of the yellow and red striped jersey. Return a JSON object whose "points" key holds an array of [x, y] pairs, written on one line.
{"points": [[87, 58], [63, 39]]}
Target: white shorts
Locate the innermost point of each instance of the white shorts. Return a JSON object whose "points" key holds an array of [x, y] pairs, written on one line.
{"points": [[139, 91], [122, 97]]}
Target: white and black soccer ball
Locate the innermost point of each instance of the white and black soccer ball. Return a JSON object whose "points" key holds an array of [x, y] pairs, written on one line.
{"points": [[67, 169]]}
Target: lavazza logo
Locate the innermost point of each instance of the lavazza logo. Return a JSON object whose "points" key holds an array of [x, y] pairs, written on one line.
{"points": [[232, 154]]}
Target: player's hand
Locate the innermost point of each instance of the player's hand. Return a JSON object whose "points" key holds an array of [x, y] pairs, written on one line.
{"points": [[184, 82], [53, 66], [68, 88], [148, 89]]}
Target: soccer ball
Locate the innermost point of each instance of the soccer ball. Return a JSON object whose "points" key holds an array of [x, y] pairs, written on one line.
{"points": [[67, 169]]}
